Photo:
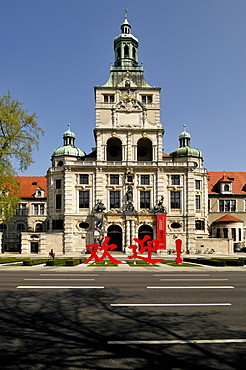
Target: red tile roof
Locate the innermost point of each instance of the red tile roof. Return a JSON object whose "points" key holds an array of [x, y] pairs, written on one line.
{"points": [[29, 184], [238, 180], [165, 155], [228, 218]]}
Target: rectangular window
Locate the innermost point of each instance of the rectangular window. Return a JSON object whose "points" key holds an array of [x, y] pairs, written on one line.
{"points": [[200, 225], [21, 210], [114, 199], [175, 179], [108, 98], [58, 201], [58, 184], [198, 202], [198, 184], [147, 99], [38, 209], [129, 178], [227, 205], [225, 233], [145, 199], [84, 179], [84, 199], [175, 199], [233, 234], [41, 209], [114, 179], [144, 179]]}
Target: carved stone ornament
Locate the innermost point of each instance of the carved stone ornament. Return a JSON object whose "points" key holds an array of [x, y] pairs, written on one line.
{"points": [[159, 208], [129, 105], [99, 207]]}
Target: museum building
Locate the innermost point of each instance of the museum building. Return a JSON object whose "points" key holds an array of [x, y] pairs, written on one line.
{"points": [[127, 185]]}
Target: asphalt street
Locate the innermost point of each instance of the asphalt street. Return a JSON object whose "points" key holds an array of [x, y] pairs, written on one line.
{"points": [[56, 318]]}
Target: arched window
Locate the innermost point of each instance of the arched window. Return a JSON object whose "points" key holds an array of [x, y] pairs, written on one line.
{"points": [[20, 228], [115, 234], [226, 187], [118, 53], [39, 228], [114, 150], [126, 51], [144, 150], [145, 230]]}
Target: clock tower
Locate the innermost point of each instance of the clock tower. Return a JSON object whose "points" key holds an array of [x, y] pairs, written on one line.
{"points": [[128, 124]]}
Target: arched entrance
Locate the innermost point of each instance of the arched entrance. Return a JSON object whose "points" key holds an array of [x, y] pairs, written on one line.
{"points": [[145, 230], [115, 234]]}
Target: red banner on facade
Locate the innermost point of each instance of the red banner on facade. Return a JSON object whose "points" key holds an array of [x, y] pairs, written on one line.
{"points": [[161, 230]]}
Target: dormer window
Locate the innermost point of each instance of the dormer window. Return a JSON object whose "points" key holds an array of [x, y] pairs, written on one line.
{"points": [[225, 187], [39, 193]]}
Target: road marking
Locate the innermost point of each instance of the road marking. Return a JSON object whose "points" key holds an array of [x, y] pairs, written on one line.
{"points": [[190, 287], [55, 274], [57, 287], [182, 275], [194, 341], [168, 304], [193, 279], [58, 279]]}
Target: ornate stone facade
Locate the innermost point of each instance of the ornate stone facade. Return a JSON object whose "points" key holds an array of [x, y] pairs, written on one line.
{"points": [[128, 173]]}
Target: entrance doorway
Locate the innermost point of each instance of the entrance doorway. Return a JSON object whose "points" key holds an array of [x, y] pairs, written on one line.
{"points": [[145, 230], [34, 247], [115, 234]]}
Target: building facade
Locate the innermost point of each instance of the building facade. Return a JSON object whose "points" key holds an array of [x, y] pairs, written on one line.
{"points": [[227, 206], [29, 218], [128, 180], [127, 187]]}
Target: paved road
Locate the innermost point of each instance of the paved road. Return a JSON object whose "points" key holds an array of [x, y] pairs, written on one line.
{"points": [[73, 319]]}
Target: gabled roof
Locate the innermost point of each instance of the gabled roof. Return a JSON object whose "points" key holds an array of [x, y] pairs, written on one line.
{"points": [[165, 155], [228, 218], [29, 185], [238, 180], [225, 178]]}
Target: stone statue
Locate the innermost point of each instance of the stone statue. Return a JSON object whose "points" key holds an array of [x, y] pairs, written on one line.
{"points": [[129, 207], [159, 208], [129, 194], [99, 207]]}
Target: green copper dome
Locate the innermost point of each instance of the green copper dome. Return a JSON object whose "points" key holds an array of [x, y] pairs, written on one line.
{"points": [[185, 150], [68, 149]]}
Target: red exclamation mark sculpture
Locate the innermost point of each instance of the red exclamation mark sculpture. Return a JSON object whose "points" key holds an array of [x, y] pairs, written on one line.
{"points": [[178, 250]]}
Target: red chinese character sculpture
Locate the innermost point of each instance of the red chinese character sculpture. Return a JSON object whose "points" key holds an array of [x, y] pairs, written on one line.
{"points": [[94, 249], [178, 250], [152, 246]]}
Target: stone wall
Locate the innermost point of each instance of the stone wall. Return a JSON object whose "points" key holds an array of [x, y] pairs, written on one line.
{"points": [[219, 245]]}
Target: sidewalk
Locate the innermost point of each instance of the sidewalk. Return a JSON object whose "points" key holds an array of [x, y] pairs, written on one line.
{"points": [[124, 267]]}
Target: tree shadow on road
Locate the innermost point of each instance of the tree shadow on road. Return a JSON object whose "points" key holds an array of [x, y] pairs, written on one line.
{"points": [[70, 329]]}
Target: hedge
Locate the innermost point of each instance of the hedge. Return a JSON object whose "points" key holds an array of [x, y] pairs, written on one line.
{"points": [[12, 260], [34, 262], [234, 262]]}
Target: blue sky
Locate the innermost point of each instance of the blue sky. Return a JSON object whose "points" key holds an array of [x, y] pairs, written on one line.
{"points": [[53, 53]]}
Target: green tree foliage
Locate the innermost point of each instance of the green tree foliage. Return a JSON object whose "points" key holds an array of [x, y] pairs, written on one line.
{"points": [[19, 135]]}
